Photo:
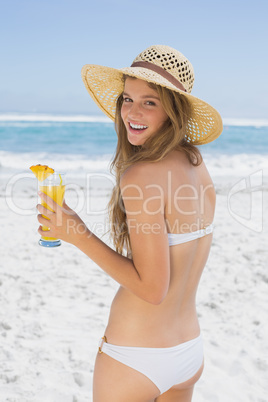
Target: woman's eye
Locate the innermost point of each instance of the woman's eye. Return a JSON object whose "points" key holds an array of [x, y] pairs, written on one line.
{"points": [[126, 99], [150, 103]]}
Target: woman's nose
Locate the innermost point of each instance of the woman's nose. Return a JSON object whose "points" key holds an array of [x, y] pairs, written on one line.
{"points": [[134, 111]]}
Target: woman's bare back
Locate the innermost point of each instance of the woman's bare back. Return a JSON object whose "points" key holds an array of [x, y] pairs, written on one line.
{"points": [[189, 206]]}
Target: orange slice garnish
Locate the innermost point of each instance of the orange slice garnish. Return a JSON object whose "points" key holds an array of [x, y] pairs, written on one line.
{"points": [[41, 172]]}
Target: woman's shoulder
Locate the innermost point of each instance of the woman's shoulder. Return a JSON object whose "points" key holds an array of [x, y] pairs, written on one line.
{"points": [[156, 171], [143, 172]]}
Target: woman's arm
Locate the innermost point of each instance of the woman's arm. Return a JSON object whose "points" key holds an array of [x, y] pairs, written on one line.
{"points": [[147, 274]]}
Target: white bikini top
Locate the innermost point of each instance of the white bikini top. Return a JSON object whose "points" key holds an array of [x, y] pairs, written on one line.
{"points": [[179, 238]]}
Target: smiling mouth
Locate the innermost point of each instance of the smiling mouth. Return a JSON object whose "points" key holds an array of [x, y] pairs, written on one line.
{"points": [[137, 126]]}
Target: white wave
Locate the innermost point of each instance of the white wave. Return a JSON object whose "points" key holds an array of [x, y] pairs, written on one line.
{"points": [[20, 162], [80, 118], [236, 165], [15, 117], [218, 164], [245, 122]]}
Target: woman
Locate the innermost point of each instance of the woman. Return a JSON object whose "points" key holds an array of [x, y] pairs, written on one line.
{"points": [[161, 211]]}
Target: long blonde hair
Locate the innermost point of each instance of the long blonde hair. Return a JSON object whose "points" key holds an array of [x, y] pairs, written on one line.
{"points": [[171, 136]]}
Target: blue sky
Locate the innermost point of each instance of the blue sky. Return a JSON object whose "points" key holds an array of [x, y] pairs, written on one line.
{"points": [[44, 44]]}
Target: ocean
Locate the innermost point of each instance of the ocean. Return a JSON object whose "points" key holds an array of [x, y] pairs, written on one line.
{"points": [[81, 144]]}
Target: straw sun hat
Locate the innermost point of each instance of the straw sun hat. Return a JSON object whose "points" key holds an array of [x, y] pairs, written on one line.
{"points": [[161, 65]]}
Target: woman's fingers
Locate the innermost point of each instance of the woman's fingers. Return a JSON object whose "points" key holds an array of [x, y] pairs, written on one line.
{"points": [[44, 232], [63, 222], [50, 219], [43, 220], [48, 200], [45, 211]]}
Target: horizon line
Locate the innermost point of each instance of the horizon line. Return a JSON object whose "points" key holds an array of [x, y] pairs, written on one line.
{"points": [[99, 118]]}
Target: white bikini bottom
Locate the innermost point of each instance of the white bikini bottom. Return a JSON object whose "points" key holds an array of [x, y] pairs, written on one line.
{"points": [[165, 367]]}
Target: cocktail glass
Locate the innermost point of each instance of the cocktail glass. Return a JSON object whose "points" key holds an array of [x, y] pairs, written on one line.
{"points": [[54, 187]]}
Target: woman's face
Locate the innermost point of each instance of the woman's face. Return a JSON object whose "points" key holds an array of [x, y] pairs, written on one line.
{"points": [[141, 111]]}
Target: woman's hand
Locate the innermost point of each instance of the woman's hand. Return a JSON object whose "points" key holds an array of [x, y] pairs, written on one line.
{"points": [[63, 222]]}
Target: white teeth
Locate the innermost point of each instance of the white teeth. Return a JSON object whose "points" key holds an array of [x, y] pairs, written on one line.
{"points": [[137, 126]]}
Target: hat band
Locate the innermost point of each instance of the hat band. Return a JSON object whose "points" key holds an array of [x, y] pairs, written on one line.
{"points": [[160, 71]]}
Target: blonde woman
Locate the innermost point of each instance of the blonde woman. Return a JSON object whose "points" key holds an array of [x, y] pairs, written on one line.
{"points": [[161, 211]]}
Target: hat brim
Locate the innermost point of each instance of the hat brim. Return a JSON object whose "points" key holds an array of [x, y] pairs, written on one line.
{"points": [[105, 84]]}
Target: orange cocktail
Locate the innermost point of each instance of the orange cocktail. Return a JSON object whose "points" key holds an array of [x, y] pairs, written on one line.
{"points": [[54, 187]]}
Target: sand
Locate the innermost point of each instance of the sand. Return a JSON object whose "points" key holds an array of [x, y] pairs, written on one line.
{"points": [[55, 302]]}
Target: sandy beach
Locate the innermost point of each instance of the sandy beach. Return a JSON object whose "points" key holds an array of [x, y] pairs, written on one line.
{"points": [[55, 302]]}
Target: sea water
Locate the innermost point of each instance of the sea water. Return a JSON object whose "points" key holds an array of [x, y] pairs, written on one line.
{"points": [[83, 144]]}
